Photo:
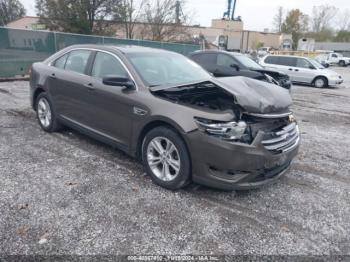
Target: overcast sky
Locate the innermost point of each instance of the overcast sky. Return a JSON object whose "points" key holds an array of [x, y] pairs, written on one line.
{"points": [[256, 14]]}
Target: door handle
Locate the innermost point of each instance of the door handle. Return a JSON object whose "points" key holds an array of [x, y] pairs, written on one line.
{"points": [[53, 76], [89, 86], [296, 70], [290, 69]]}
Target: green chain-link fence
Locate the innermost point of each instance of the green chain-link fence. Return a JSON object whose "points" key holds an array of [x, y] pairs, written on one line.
{"points": [[20, 48]]}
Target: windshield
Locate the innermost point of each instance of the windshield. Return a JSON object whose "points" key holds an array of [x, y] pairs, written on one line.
{"points": [[162, 69], [248, 62], [316, 64]]}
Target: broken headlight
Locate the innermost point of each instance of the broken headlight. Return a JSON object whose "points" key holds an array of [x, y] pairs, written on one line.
{"points": [[231, 131]]}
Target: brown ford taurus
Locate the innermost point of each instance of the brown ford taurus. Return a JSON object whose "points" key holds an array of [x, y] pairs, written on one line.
{"points": [[159, 106]]}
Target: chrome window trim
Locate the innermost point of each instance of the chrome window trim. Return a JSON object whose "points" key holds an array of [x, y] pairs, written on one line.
{"points": [[97, 50]]}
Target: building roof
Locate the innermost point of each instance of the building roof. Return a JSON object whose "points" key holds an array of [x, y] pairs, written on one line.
{"points": [[336, 46]]}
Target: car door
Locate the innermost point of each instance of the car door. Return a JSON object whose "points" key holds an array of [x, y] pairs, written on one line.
{"points": [[287, 65], [110, 108], [275, 63], [334, 59], [68, 84], [306, 71]]}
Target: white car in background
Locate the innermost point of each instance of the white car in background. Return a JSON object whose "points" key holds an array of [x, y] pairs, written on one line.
{"points": [[302, 70], [333, 59], [263, 51]]}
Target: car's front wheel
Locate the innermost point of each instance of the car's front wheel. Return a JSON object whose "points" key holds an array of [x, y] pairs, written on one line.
{"points": [[320, 82], [166, 158], [46, 114]]}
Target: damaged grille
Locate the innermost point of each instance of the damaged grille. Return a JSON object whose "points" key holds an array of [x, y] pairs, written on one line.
{"points": [[283, 140]]}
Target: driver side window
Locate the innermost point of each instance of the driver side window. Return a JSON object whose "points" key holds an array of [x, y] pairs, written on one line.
{"points": [[225, 60], [303, 63], [106, 64]]}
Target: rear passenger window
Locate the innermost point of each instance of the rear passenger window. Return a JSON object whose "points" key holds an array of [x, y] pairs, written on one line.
{"points": [[60, 62], [287, 61], [77, 61], [106, 64], [271, 60]]}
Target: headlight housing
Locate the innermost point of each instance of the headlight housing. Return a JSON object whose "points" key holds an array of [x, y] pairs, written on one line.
{"points": [[335, 77], [230, 131]]}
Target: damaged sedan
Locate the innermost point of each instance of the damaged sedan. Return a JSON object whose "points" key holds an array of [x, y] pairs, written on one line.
{"points": [[184, 125]]}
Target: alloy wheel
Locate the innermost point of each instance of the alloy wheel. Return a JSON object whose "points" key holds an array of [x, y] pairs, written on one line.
{"points": [[44, 112], [319, 82], [163, 158]]}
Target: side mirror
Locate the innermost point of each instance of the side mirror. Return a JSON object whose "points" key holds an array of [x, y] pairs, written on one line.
{"points": [[235, 66], [115, 80], [311, 67]]}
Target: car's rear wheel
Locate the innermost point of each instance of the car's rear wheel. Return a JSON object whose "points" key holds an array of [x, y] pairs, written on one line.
{"points": [[320, 82], [166, 158], [342, 63], [45, 113]]}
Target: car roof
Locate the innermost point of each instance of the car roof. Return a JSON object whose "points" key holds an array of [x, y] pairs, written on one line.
{"points": [[121, 48], [293, 56], [216, 51]]}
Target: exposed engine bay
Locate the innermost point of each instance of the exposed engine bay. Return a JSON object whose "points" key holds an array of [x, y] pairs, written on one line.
{"points": [[205, 94], [244, 127]]}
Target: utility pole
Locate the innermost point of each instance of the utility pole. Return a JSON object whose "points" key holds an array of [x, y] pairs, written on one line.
{"points": [[177, 12]]}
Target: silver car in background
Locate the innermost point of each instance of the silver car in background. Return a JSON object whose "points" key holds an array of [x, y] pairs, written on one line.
{"points": [[302, 70]]}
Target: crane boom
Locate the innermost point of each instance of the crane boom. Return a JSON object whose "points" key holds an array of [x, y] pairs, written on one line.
{"points": [[230, 12]]}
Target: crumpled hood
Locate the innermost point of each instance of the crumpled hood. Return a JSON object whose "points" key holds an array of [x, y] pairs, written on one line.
{"points": [[271, 72], [256, 96]]}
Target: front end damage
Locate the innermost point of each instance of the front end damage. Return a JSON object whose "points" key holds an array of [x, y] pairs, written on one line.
{"points": [[254, 148]]}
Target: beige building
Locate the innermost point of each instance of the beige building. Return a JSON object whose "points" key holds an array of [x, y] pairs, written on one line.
{"points": [[237, 37], [27, 22]]}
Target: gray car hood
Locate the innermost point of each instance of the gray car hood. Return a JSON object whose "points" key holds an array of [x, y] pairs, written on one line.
{"points": [[254, 96]]}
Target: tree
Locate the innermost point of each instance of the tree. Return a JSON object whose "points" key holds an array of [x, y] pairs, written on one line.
{"points": [[278, 19], [10, 10], [343, 20], [296, 24], [342, 36], [322, 16], [75, 16], [322, 36], [165, 21], [126, 13]]}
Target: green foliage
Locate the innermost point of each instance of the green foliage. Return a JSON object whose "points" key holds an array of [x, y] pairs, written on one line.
{"points": [[259, 45], [342, 36], [76, 16], [295, 24], [10, 10], [322, 36]]}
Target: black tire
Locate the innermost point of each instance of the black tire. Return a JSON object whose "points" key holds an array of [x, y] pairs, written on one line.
{"points": [[183, 178], [53, 125], [342, 63], [320, 79]]}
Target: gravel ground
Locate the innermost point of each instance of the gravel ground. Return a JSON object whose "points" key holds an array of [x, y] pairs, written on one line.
{"points": [[65, 193]]}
